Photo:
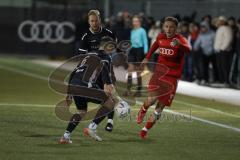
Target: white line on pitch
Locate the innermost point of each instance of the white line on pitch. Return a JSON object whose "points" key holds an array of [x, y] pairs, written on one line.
{"points": [[27, 105], [207, 108], [199, 119], [23, 72], [166, 110]]}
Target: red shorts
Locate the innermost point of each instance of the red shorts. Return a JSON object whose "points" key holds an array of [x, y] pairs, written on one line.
{"points": [[164, 88]]}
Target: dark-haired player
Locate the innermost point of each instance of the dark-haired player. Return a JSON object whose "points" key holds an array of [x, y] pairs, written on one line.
{"points": [[172, 47], [92, 76]]}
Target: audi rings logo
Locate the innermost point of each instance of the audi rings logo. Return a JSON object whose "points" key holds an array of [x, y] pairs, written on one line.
{"points": [[165, 51], [42, 31]]}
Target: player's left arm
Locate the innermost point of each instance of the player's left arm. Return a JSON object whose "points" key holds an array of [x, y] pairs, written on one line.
{"points": [[184, 45], [107, 79], [106, 71], [112, 35]]}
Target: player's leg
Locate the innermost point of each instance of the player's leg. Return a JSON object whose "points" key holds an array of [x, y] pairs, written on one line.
{"points": [[152, 120], [106, 108], [81, 104], [109, 126], [143, 110]]}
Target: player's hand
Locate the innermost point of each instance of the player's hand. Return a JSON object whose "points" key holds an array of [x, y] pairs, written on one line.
{"points": [[175, 42], [143, 64], [68, 100], [108, 89]]}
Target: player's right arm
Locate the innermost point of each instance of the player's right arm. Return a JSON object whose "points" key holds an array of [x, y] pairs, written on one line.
{"points": [[152, 49], [83, 49]]}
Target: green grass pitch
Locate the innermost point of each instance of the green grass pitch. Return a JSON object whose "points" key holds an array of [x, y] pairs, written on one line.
{"points": [[29, 129]]}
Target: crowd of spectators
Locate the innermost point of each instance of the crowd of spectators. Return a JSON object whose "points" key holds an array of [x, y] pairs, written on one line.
{"points": [[215, 42]]}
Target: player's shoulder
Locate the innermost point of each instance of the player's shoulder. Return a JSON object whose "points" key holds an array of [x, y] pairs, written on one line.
{"points": [[180, 37], [107, 30], [161, 36], [105, 57], [85, 34]]}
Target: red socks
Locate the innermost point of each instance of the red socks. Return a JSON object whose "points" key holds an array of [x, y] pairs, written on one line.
{"points": [[152, 120]]}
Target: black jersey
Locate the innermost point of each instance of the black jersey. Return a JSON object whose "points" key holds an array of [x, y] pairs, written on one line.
{"points": [[90, 41], [94, 68]]}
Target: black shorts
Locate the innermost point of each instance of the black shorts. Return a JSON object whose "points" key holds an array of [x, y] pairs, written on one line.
{"points": [[136, 55], [81, 102]]}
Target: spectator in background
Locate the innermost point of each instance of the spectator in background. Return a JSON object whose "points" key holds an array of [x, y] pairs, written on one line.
{"points": [[137, 53], [193, 35], [154, 31], [187, 70], [233, 73], [208, 18], [223, 48], [120, 28], [81, 27], [204, 44], [152, 34], [238, 54]]}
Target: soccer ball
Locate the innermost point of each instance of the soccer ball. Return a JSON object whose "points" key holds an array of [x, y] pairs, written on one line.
{"points": [[122, 109]]}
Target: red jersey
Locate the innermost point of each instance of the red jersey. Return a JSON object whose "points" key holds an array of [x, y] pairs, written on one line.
{"points": [[170, 56]]}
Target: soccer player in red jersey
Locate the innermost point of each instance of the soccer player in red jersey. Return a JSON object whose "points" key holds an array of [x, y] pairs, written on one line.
{"points": [[163, 83]]}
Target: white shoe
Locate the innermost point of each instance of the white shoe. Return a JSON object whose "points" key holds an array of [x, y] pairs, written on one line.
{"points": [[92, 133], [64, 140]]}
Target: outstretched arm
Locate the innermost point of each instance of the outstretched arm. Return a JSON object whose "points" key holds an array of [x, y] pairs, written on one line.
{"points": [[153, 48]]}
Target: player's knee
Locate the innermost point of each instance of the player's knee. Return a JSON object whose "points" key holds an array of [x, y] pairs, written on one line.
{"points": [[160, 106], [110, 103], [151, 101], [82, 112]]}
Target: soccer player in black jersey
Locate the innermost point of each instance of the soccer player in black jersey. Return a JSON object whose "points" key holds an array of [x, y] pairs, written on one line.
{"points": [[90, 42], [91, 76]]}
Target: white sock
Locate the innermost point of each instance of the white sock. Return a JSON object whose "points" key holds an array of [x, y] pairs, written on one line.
{"points": [[145, 129], [66, 134], [110, 121], [92, 126], [156, 113]]}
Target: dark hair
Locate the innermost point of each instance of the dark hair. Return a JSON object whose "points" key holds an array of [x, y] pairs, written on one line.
{"points": [[232, 18], [105, 39], [171, 19]]}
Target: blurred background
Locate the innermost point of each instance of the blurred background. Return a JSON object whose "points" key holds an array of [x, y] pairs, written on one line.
{"points": [[52, 29]]}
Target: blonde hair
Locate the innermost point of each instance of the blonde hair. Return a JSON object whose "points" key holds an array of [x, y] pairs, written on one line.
{"points": [[138, 17], [94, 12]]}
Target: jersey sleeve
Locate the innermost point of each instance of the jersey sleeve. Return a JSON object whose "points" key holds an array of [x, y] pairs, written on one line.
{"points": [[153, 48], [106, 78], [112, 35], [83, 47], [106, 73], [113, 77], [185, 46]]}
